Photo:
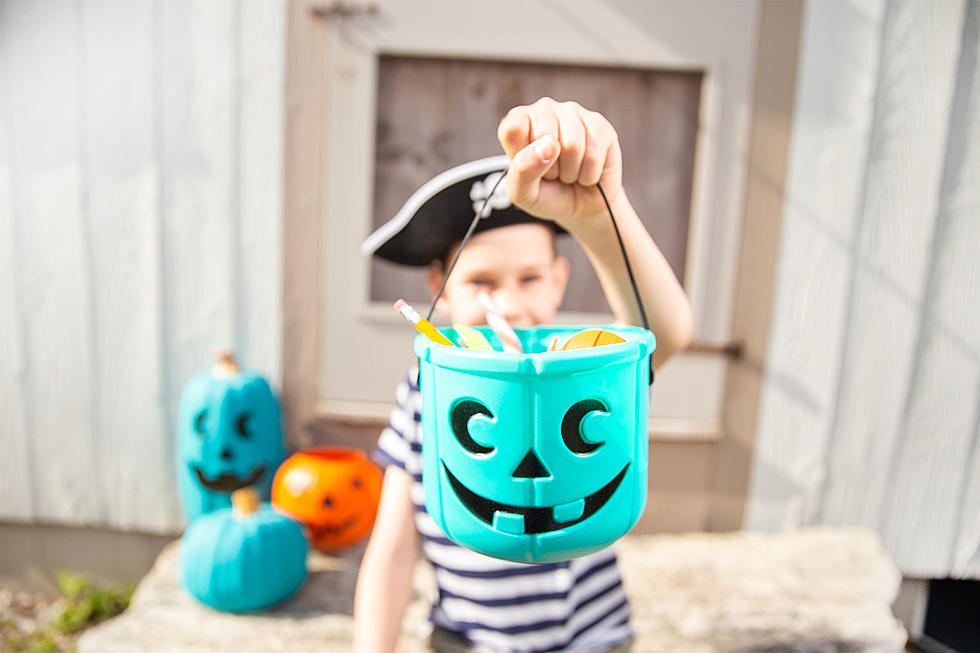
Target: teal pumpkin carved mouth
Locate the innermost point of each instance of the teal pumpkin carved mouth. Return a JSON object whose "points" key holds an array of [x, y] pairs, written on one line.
{"points": [[537, 519], [227, 482]]}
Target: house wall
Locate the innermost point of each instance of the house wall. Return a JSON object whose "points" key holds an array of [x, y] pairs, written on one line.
{"points": [[140, 219], [141, 187], [870, 407]]}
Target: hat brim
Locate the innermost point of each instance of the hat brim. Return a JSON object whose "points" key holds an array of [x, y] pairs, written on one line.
{"points": [[438, 214]]}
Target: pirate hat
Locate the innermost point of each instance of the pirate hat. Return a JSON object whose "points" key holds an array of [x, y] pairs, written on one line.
{"points": [[438, 214]]}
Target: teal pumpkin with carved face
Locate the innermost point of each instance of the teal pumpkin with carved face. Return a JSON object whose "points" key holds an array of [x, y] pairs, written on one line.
{"points": [[229, 437], [536, 457]]}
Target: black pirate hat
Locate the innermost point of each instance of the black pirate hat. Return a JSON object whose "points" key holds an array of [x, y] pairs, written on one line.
{"points": [[438, 214]]}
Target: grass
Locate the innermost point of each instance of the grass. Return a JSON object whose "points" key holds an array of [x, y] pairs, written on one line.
{"points": [[82, 605]]}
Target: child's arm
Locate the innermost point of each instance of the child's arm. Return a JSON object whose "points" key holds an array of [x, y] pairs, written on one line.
{"points": [[384, 583], [559, 151]]}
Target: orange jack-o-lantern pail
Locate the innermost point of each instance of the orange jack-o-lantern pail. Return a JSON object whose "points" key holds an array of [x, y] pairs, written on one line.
{"points": [[334, 491]]}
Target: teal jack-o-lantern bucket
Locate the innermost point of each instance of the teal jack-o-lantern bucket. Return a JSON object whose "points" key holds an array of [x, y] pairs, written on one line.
{"points": [[540, 456], [229, 437]]}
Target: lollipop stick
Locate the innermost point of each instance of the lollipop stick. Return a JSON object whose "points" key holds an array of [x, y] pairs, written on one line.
{"points": [[500, 326]]}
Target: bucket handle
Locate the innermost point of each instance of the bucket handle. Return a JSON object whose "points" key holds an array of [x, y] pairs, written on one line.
{"points": [[619, 238]]}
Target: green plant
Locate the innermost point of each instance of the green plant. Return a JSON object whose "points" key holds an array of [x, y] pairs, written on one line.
{"points": [[87, 605], [84, 605]]}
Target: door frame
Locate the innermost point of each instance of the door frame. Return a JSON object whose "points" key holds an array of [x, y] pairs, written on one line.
{"points": [[758, 206]]}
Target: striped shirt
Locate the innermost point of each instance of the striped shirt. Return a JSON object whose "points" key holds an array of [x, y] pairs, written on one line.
{"points": [[576, 605]]}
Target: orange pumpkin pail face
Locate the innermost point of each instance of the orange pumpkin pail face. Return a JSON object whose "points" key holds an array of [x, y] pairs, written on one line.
{"points": [[334, 491]]}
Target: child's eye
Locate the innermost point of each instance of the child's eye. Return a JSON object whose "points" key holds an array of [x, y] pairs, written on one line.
{"points": [[531, 278], [482, 283]]}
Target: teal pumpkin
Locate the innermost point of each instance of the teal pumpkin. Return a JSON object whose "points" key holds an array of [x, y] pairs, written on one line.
{"points": [[229, 437], [244, 558]]}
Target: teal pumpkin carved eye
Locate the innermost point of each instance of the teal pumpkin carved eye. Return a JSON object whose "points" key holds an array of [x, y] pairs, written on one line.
{"points": [[459, 419], [199, 422], [571, 425], [242, 427]]}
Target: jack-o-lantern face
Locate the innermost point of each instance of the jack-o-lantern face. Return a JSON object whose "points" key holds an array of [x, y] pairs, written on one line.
{"points": [[535, 471], [333, 490], [532, 519], [230, 437]]}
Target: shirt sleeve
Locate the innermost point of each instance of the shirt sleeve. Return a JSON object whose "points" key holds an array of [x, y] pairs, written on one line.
{"points": [[400, 442]]}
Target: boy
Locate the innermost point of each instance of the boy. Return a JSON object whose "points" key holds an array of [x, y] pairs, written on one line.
{"points": [[558, 152]]}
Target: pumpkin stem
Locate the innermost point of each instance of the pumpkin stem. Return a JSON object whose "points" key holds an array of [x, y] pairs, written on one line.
{"points": [[226, 365], [245, 501]]}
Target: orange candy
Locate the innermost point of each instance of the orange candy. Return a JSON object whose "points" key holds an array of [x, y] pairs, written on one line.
{"points": [[592, 338]]}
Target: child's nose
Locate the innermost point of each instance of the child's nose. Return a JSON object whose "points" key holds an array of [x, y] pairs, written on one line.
{"points": [[510, 306]]}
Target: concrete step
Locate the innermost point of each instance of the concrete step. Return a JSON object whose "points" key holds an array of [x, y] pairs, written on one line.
{"points": [[810, 591]]}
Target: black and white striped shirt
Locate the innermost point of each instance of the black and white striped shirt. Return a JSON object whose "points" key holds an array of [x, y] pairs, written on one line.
{"points": [[577, 605]]}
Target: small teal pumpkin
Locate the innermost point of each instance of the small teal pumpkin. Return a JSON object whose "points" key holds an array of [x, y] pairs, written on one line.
{"points": [[243, 558], [229, 437]]}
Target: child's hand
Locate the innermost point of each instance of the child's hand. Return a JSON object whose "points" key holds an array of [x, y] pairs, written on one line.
{"points": [[559, 151]]}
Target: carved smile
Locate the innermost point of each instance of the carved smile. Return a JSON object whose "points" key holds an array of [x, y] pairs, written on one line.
{"points": [[535, 519], [331, 530], [228, 483]]}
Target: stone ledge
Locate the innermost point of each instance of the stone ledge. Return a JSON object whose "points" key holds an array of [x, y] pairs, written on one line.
{"points": [[812, 591]]}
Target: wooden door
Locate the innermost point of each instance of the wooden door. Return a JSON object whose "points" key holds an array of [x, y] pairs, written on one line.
{"points": [[410, 90]]}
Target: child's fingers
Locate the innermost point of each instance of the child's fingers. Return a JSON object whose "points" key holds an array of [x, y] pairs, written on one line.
{"points": [[544, 122], [572, 137], [528, 167], [599, 147], [514, 131]]}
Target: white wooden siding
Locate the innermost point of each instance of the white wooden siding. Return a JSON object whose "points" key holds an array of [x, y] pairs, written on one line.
{"points": [[941, 442], [140, 195], [870, 409]]}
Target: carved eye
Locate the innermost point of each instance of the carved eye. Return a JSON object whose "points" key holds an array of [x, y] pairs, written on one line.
{"points": [[571, 425], [241, 426], [459, 419], [199, 422]]}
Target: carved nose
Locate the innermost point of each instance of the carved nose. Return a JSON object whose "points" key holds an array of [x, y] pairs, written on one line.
{"points": [[530, 467]]}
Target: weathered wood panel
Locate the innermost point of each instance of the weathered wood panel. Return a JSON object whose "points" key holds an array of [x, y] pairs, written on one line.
{"points": [[957, 301], [931, 519], [871, 403], [197, 116], [16, 486], [260, 51], [916, 83], [828, 151], [140, 192], [54, 266], [120, 208]]}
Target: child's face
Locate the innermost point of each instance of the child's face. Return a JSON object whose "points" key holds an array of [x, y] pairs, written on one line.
{"points": [[516, 266]]}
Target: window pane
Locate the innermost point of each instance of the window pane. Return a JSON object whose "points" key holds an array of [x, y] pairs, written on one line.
{"points": [[436, 113]]}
